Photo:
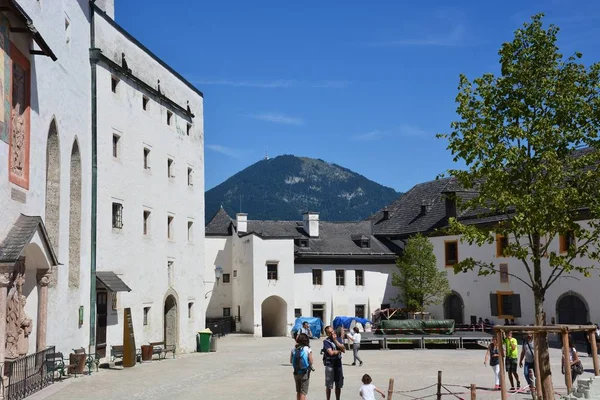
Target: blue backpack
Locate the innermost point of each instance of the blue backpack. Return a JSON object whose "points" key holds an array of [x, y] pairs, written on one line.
{"points": [[300, 361]]}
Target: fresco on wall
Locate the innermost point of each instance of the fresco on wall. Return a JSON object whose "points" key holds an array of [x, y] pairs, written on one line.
{"points": [[18, 159], [4, 80]]}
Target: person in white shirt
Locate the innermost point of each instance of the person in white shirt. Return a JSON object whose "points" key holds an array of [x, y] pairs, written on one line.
{"points": [[306, 330], [367, 390], [355, 339]]}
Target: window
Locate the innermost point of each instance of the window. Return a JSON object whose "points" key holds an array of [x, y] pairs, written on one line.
{"points": [[146, 315], [114, 81], [169, 117], [359, 310], [340, 277], [318, 311], [189, 129], [170, 172], [170, 272], [365, 243], [146, 158], [146, 222], [297, 312], [226, 278], [272, 272], [501, 245], [116, 145], [566, 241], [505, 305], [359, 277], [190, 232], [145, 101], [117, 215], [190, 177], [317, 276], [503, 273], [301, 243], [190, 310], [227, 312], [170, 219], [235, 273], [451, 253]]}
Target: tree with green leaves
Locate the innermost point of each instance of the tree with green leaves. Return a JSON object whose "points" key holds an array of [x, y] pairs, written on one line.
{"points": [[420, 281], [529, 140]]}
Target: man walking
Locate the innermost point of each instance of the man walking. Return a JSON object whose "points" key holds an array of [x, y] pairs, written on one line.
{"points": [[512, 354], [528, 355], [355, 339], [332, 360]]}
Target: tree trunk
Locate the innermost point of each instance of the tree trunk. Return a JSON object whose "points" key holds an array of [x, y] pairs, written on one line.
{"points": [[541, 349]]}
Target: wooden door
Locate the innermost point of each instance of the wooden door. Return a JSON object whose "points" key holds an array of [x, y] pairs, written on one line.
{"points": [[102, 309]]}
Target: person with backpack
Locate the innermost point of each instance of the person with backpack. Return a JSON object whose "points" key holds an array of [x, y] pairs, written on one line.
{"points": [[493, 356], [302, 361], [528, 355], [332, 360]]}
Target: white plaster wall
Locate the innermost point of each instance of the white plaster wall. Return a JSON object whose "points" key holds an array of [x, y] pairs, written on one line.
{"points": [[341, 300], [61, 90], [142, 260], [281, 251], [218, 253], [243, 285], [475, 290]]}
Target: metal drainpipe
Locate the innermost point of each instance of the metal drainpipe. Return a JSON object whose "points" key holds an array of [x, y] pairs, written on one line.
{"points": [[92, 345]]}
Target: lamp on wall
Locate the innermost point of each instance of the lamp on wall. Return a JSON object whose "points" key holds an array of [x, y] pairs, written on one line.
{"points": [[218, 273]]}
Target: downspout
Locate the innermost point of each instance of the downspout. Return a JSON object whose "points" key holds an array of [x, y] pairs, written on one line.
{"points": [[93, 61]]}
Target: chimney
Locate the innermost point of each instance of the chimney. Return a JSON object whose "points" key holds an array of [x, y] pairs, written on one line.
{"points": [[311, 223], [386, 214], [242, 222], [108, 6], [425, 207], [450, 205]]}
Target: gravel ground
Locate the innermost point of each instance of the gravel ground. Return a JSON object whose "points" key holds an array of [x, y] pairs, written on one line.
{"points": [[258, 368]]}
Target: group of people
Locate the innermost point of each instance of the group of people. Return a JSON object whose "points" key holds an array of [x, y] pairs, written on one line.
{"points": [[302, 360], [526, 360]]}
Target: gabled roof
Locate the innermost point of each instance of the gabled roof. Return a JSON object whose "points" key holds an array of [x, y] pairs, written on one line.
{"points": [[20, 235], [219, 225], [112, 282]]}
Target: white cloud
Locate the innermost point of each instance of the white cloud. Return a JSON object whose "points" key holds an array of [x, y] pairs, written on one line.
{"points": [[369, 136], [277, 118], [453, 38], [228, 151], [412, 131]]}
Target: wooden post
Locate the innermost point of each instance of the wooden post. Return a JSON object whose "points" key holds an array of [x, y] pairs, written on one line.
{"points": [[391, 388], [566, 363], [592, 338], [439, 386], [473, 391], [536, 363], [502, 367]]}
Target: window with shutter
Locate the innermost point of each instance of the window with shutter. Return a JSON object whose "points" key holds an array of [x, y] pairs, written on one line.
{"points": [[501, 245], [508, 305], [451, 253], [494, 304]]}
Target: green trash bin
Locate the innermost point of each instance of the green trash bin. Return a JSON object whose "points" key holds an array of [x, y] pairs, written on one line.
{"points": [[203, 341]]}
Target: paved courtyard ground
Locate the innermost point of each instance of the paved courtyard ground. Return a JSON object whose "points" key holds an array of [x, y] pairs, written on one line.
{"points": [[258, 368]]}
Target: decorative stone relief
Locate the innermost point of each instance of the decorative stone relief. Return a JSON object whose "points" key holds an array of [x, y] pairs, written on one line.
{"points": [[18, 324], [18, 159]]}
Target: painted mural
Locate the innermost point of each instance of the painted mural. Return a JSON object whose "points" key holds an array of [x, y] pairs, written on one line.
{"points": [[18, 160], [4, 80]]}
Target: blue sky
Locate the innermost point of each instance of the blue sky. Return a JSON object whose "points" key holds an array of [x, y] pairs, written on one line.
{"points": [[365, 85]]}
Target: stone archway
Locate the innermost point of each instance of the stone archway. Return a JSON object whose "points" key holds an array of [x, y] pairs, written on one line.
{"points": [[52, 215], [274, 317], [75, 217], [572, 309], [171, 333], [453, 308]]}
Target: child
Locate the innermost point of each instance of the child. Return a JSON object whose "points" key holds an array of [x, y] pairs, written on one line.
{"points": [[367, 390]]}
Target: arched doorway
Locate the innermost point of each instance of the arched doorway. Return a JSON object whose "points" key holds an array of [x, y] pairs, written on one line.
{"points": [[75, 217], [52, 185], [170, 321], [571, 309], [453, 308], [274, 317]]}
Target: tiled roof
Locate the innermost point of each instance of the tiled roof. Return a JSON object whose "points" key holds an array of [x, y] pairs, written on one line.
{"points": [[219, 225], [112, 282], [20, 235]]}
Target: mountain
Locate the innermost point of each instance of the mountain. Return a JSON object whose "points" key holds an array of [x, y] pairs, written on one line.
{"points": [[284, 187]]}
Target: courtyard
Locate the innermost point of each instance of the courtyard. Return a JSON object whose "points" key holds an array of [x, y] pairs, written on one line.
{"points": [[245, 367]]}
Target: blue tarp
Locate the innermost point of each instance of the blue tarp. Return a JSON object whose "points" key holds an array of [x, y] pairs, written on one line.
{"points": [[315, 325], [347, 321]]}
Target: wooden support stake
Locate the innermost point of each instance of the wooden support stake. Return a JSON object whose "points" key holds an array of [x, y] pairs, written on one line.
{"points": [[536, 363], [499, 339], [439, 386], [473, 391], [391, 389], [592, 338], [566, 362]]}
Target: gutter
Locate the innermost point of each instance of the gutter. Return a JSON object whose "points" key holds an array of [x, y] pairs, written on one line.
{"points": [[94, 216]]}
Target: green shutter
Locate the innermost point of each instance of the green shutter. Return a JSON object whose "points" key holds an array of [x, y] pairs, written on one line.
{"points": [[494, 304], [516, 305]]}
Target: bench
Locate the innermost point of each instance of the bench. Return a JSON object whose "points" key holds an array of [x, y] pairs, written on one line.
{"points": [[162, 349], [56, 363], [117, 352]]}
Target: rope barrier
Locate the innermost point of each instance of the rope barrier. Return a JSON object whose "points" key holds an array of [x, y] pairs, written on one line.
{"points": [[450, 392], [415, 390]]}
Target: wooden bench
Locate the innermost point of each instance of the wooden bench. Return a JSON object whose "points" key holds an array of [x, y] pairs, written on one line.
{"points": [[161, 349], [56, 363], [116, 352]]}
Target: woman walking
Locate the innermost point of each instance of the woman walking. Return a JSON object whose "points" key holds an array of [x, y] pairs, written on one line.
{"points": [[574, 361], [493, 356], [302, 361], [355, 338]]}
